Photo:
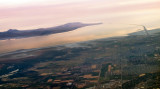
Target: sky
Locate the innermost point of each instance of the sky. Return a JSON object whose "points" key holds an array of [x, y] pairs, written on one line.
{"points": [[31, 14]]}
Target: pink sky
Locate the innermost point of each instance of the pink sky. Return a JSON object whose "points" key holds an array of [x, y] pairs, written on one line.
{"points": [[30, 14]]}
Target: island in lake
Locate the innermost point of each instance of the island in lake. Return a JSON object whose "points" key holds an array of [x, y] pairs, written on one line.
{"points": [[14, 33]]}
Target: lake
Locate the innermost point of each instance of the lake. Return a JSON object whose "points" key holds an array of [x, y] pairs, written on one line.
{"points": [[82, 34]]}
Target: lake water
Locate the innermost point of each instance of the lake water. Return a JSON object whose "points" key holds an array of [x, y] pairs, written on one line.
{"points": [[82, 34]]}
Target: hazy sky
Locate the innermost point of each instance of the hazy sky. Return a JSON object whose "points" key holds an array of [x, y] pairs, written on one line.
{"points": [[29, 14]]}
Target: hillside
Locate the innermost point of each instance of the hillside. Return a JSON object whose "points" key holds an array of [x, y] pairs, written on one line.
{"points": [[151, 32]]}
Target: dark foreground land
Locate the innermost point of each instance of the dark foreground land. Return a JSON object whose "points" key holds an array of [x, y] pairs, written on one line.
{"points": [[131, 62]]}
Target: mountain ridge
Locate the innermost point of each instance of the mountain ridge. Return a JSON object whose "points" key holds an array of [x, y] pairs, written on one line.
{"points": [[14, 33]]}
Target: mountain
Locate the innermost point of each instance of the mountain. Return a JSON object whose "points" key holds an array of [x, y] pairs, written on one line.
{"points": [[14, 33], [151, 32]]}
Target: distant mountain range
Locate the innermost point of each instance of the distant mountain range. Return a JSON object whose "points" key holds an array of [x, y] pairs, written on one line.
{"points": [[151, 32], [14, 33]]}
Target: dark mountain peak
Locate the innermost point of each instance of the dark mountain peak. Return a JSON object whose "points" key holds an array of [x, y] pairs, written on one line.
{"points": [[12, 30], [14, 33]]}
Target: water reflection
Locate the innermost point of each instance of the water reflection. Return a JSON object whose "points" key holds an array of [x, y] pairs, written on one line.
{"points": [[81, 34]]}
